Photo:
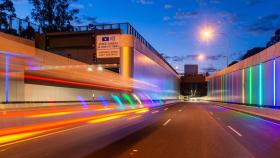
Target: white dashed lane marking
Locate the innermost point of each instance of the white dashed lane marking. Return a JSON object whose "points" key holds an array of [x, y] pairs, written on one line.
{"points": [[165, 123], [235, 131]]}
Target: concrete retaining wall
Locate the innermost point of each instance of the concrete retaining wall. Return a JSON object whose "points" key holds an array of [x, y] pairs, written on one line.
{"points": [[35, 93], [253, 81]]}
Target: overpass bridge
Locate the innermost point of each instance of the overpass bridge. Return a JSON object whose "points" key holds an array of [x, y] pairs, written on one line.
{"points": [[30, 74], [46, 94]]}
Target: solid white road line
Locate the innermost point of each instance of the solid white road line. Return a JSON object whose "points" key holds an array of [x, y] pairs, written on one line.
{"points": [[165, 123], [240, 135]]}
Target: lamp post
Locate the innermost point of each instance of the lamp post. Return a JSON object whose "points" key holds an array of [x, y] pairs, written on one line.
{"points": [[207, 34]]}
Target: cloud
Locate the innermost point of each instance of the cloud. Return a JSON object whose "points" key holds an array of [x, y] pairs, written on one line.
{"points": [[209, 69], [144, 2], [206, 2], [90, 19], [253, 2], [20, 1], [77, 6], [90, 5], [228, 16], [185, 15], [166, 18], [85, 20], [192, 57], [179, 23], [168, 6], [264, 24], [215, 57]]}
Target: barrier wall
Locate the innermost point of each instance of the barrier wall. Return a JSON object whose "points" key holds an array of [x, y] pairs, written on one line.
{"points": [[42, 93], [148, 67], [163, 84], [253, 81]]}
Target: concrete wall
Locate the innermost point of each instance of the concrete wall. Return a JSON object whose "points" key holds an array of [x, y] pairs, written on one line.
{"points": [[14, 84], [253, 81], [163, 83], [2, 78], [42, 93]]}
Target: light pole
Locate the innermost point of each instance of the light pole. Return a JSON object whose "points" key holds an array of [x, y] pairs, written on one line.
{"points": [[207, 34], [227, 51]]}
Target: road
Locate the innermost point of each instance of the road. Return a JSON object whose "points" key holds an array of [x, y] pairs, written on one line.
{"points": [[180, 130]]}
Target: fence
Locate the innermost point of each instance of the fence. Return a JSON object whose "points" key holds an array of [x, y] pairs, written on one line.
{"points": [[20, 27]]}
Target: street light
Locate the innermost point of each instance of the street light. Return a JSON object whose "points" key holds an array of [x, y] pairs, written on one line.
{"points": [[89, 69], [99, 68], [200, 57], [208, 33]]}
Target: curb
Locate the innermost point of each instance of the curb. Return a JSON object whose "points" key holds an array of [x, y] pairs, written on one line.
{"points": [[248, 112]]}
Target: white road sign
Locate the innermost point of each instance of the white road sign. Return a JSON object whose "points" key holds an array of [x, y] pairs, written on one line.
{"points": [[107, 46]]}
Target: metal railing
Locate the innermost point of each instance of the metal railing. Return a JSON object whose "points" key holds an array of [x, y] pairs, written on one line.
{"points": [[20, 27]]}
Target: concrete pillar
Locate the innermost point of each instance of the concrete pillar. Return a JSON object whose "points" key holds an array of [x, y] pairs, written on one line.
{"points": [[126, 56]]}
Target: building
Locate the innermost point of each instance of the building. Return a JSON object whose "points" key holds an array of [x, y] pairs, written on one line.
{"points": [[192, 83], [78, 45], [190, 69]]}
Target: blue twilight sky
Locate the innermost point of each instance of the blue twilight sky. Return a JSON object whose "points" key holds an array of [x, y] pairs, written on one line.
{"points": [[172, 26]]}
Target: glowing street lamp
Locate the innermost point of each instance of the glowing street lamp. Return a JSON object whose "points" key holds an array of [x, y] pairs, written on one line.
{"points": [[207, 33], [200, 57], [99, 68], [89, 69]]}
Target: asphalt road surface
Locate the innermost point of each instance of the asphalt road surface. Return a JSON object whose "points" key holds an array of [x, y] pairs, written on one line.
{"points": [[183, 130]]}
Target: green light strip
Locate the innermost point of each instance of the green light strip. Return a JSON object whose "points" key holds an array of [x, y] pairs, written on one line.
{"points": [[250, 85]]}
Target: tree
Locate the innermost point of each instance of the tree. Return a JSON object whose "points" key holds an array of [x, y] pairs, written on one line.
{"points": [[29, 31], [252, 52], [232, 63], [53, 15], [7, 11], [256, 50], [274, 39]]}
